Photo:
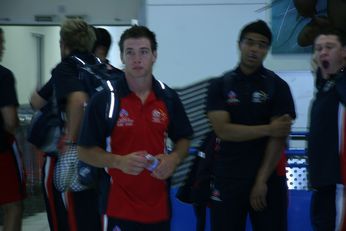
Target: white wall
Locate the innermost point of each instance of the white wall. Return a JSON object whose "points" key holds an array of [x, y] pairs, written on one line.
{"points": [[302, 87], [21, 55], [196, 41], [198, 38], [97, 12]]}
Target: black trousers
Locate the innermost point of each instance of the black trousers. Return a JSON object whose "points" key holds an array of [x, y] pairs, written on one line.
{"points": [[323, 208], [200, 211], [231, 205], [56, 211], [72, 210]]}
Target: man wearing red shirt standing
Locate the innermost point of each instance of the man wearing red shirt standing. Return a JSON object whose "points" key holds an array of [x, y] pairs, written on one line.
{"points": [[150, 112]]}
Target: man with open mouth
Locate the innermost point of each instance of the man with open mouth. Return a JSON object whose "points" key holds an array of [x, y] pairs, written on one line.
{"points": [[326, 139]]}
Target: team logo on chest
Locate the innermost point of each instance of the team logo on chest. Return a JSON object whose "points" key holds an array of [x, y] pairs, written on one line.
{"points": [[124, 119], [158, 116], [232, 98], [259, 97]]}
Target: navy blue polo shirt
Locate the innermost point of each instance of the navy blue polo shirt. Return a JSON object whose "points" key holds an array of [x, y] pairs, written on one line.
{"points": [[325, 130], [8, 97], [249, 100], [66, 77]]}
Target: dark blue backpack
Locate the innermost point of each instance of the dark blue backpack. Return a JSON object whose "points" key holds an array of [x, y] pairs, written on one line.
{"points": [[45, 128], [96, 78], [46, 124], [197, 186]]}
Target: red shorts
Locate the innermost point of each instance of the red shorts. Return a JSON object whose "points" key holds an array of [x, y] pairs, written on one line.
{"points": [[12, 177]]}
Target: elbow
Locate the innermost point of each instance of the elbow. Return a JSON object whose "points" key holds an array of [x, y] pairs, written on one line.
{"points": [[81, 153], [36, 101], [227, 135], [87, 155], [223, 135]]}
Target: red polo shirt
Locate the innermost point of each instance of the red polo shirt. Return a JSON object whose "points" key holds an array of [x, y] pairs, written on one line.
{"points": [[140, 127]]}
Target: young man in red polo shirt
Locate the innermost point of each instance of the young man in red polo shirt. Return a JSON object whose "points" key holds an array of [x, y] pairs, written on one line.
{"points": [[150, 112]]}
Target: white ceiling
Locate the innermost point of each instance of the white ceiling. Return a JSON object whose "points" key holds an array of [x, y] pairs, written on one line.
{"points": [[100, 12]]}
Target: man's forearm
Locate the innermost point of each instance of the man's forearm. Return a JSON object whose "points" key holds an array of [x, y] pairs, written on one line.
{"points": [[227, 130], [240, 133], [75, 112], [97, 157], [36, 101], [271, 158], [181, 149]]}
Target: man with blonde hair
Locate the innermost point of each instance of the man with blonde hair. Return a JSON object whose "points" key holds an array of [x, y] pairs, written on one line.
{"points": [[69, 210]]}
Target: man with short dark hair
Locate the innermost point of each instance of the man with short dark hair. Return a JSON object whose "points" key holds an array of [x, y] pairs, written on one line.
{"points": [[134, 153], [326, 139], [102, 44], [251, 111]]}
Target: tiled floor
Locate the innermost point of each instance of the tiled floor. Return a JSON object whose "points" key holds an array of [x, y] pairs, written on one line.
{"points": [[37, 222], [183, 215]]}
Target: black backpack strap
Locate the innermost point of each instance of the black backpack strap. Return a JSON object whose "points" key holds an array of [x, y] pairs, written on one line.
{"points": [[81, 62], [113, 105], [166, 94]]}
